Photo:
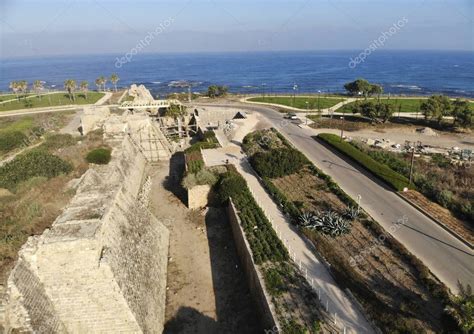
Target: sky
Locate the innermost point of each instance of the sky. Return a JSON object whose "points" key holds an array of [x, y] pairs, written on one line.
{"points": [[75, 27]]}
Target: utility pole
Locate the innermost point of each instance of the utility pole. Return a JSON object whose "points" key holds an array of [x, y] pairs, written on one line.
{"points": [[307, 111], [295, 88], [415, 144]]}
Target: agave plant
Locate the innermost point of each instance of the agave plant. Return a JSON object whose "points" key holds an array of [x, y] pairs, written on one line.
{"points": [[329, 222], [306, 219], [351, 213]]}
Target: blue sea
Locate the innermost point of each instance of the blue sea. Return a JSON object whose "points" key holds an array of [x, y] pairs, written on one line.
{"points": [[400, 72]]}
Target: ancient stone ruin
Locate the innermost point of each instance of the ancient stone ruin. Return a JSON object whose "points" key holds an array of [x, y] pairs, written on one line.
{"points": [[102, 265]]}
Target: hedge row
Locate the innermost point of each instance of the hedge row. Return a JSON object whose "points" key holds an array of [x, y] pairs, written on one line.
{"points": [[397, 181], [278, 162], [265, 244]]}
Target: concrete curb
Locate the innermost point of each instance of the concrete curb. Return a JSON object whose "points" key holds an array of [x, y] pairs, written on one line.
{"points": [[437, 221]]}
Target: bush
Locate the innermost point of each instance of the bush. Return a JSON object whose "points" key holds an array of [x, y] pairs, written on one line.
{"points": [[384, 172], [100, 156], [10, 140], [195, 166], [274, 282], [32, 164], [200, 145], [278, 162]]}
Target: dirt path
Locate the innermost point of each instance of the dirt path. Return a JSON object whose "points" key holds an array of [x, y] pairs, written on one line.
{"points": [[207, 292]]}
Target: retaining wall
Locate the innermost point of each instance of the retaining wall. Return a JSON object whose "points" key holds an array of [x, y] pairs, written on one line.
{"points": [[254, 276]]}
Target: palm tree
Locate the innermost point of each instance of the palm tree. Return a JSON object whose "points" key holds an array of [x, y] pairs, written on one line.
{"points": [[37, 87], [114, 78], [98, 83], [104, 81], [15, 87], [85, 88], [462, 308], [70, 85], [23, 86]]}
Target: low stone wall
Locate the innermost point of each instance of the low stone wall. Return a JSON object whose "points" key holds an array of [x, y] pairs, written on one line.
{"points": [[254, 276], [101, 268], [198, 196]]}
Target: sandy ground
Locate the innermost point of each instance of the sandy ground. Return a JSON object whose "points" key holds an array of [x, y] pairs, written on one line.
{"points": [[207, 292], [401, 134]]}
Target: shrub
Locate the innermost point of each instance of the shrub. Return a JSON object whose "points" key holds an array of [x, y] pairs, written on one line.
{"points": [[380, 170], [278, 162], [195, 166], [274, 282], [32, 164], [200, 145], [10, 140], [100, 156]]}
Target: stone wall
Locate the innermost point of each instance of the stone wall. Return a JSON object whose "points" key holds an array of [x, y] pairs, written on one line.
{"points": [[254, 276], [102, 265]]}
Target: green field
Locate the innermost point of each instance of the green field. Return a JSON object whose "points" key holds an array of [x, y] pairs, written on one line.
{"points": [[51, 100], [300, 102], [7, 97], [394, 179]]}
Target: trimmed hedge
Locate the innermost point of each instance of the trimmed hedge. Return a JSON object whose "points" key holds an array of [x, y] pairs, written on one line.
{"points": [[394, 179], [32, 164], [100, 156], [278, 162]]}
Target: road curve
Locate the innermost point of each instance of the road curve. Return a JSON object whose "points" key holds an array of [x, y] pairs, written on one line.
{"points": [[447, 257]]}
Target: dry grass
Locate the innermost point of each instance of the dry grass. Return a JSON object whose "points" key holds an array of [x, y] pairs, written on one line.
{"points": [[37, 202], [387, 281]]}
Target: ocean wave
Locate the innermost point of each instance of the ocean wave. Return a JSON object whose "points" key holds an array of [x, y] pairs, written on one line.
{"points": [[412, 87]]}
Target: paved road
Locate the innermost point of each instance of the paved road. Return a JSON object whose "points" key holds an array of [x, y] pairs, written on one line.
{"points": [[348, 314], [448, 258]]}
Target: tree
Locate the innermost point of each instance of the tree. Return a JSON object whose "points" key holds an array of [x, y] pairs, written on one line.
{"points": [[376, 90], [15, 88], [462, 308], [462, 113], [212, 91], [175, 110], [37, 87], [70, 86], [103, 80], [222, 90], [114, 78], [23, 87], [98, 83], [359, 86], [84, 88], [436, 107], [369, 110], [384, 111]]}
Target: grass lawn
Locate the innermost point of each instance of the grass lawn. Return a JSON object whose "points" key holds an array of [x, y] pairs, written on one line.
{"points": [[7, 97], [300, 102], [51, 100]]}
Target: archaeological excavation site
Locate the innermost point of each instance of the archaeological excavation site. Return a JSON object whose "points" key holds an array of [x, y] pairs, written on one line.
{"points": [[139, 243]]}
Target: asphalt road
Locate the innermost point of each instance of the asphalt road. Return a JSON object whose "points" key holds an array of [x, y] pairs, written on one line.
{"points": [[447, 257]]}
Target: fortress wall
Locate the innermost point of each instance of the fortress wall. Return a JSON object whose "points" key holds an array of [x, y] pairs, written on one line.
{"points": [[137, 247], [102, 266]]}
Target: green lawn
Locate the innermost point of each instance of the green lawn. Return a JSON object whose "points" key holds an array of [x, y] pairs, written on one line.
{"points": [[300, 102], [394, 179], [6, 97], [51, 100]]}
